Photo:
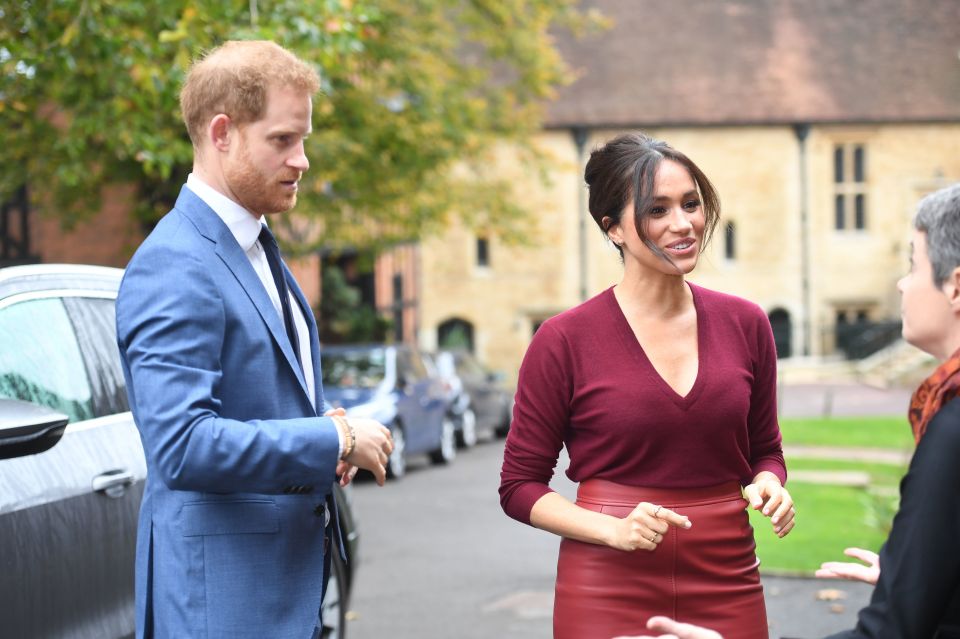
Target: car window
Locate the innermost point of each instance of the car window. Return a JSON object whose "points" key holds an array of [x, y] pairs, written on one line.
{"points": [[417, 366], [404, 369], [40, 359], [469, 367], [353, 369], [94, 320]]}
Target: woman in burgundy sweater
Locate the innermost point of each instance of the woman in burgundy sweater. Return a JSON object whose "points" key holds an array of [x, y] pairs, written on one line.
{"points": [[664, 394]]}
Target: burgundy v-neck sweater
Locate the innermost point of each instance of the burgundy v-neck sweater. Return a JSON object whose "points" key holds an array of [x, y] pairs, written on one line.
{"points": [[586, 383]]}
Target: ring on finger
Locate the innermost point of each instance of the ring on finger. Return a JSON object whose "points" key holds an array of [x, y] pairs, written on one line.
{"points": [[656, 513]]}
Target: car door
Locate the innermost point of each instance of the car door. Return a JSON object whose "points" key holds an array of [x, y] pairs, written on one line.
{"points": [[433, 399], [410, 405], [68, 515], [484, 395]]}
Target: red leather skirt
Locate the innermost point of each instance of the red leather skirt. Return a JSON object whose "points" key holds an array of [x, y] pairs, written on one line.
{"points": [[706, 574]]}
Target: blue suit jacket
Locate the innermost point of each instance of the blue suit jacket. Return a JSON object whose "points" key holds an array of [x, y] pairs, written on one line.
{"points": [[230, 540]]}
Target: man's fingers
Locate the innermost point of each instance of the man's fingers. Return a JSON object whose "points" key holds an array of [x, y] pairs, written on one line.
{"points": [[380, 474]]}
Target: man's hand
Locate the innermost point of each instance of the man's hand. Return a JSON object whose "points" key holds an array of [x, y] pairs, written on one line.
{"points": [[645, 527], [372, 447], [670, 629], [346, 472], [853, 571], [768, 494]]}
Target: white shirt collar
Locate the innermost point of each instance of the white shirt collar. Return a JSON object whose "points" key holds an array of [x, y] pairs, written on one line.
{"points": [[242, 224]]}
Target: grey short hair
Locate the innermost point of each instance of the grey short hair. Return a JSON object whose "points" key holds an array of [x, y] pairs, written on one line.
{"points": [[938, 215]]}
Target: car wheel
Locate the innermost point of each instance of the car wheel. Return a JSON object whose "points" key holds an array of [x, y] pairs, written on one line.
{"points": [[467, 435], [448, 443], [335, 599], [397, 463]]}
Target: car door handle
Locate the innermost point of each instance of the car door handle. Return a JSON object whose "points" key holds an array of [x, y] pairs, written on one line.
{"points": [[113, 483]]}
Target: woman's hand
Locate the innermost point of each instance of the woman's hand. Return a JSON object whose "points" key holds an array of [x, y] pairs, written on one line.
{"points": [[645, 527], [768, 494], [670, 629], [853, 571]]}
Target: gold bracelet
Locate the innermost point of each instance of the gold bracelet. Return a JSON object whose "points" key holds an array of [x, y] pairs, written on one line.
{"points": [[349, 435]]}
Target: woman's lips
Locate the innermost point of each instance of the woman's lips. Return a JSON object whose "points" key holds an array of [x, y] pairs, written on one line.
{"points": [[682, 247]]}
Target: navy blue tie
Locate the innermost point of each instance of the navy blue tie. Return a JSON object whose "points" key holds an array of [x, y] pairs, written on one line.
{"points": [[269, 244]]}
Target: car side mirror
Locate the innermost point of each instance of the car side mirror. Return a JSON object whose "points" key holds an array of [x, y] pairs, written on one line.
{"points": [[28, 429]]}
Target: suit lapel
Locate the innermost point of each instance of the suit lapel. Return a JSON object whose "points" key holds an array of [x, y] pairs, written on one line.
{"points": [[212, 227]]}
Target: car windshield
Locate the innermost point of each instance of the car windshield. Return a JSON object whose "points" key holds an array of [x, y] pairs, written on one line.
{"points": [[469, 367], [354, 369]]}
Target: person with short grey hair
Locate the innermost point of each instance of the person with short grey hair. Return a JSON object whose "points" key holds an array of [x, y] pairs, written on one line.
{"points": [[938, 215]]}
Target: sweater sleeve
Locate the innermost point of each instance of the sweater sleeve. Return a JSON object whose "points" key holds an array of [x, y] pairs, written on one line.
{"points": [[766, 451], [540, 416], [919, 565]]}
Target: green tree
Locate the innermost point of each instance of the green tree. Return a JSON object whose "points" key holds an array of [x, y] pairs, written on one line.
{"points": [[416, 94], [343, 317]]}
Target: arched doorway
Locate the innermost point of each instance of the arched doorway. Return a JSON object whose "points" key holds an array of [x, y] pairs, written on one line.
{"points": [[782, 332], [455, 333]]}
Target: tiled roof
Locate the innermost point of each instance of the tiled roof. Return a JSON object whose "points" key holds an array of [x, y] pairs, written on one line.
{"points": [[714, 62]]}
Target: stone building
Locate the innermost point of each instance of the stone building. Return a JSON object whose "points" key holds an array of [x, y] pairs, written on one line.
{"points": [[820, 123]]}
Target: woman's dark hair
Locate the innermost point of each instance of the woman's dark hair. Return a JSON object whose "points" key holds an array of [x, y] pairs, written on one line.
{"points": [[626, 167]]}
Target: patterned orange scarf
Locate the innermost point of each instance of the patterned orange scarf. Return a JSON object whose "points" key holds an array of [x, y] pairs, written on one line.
{"points": [[934, 392]]}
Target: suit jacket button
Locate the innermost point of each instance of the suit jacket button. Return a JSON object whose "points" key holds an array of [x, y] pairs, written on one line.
{"points": [[320, 510], [287, 490]]}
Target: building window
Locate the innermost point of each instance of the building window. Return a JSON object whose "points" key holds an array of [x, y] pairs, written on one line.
{"points": [[483, 251], [782, 328], [455, 333], [850, 187], [730, 241]]}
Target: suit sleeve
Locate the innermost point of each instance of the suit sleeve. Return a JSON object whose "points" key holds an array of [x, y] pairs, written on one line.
{"points": [[919, 564], [171, 329]]}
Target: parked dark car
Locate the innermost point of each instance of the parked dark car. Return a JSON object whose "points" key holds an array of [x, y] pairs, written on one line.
{"points": [[483, 399], [72, 468], [391, 383]]}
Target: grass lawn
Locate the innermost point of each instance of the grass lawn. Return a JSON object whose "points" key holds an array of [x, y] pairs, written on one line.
{"points": [[831, 518], [868, 432]]}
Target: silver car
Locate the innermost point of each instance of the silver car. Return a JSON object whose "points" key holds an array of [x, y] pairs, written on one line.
{"points": [[72, 468]]}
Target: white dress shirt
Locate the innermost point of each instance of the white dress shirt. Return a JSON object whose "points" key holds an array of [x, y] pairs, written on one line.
{"points": [[246, 229]]}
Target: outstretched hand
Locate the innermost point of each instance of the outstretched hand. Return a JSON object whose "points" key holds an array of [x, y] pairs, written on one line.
{"points": [[767, 493], [645, 527], [670, 629], [853, 571]]}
